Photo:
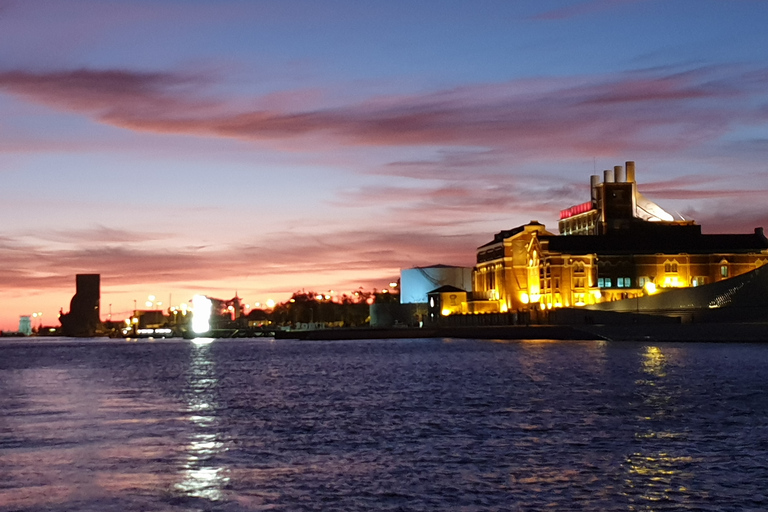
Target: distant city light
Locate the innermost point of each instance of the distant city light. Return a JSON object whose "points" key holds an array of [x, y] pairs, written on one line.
{"points": [[201, 310], [270, 303]]}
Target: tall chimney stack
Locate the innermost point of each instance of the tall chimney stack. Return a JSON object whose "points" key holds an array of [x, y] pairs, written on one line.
{"points": [[608, 176], [594, 181], [618, 174], [630, 171]]}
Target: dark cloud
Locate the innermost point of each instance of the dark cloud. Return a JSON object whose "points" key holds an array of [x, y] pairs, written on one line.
{"points": [[653, 111], [730, 216]]}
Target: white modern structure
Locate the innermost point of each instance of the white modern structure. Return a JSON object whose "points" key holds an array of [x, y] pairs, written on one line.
{"points": [[416, 283]]}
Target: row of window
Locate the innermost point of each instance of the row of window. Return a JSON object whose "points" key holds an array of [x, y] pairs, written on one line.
{"points": [[621, 282], [672, 267], [626, 282]]}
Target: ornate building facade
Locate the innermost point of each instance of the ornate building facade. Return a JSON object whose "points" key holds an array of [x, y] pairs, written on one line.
{"points": [[615, 246]]}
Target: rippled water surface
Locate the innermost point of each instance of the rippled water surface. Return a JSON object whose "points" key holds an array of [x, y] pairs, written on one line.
{"points": [[382, 425]]}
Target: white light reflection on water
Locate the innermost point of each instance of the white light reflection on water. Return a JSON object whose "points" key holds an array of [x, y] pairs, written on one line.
{"points": [[202, 476]]}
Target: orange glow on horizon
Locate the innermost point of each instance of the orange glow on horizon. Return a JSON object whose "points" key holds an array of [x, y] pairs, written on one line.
{"points": [[121, 296]]}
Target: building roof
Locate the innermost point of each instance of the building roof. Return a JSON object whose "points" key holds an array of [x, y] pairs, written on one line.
{"points": [[446, 289], [439, 265], [509, 233], [683, 241]]}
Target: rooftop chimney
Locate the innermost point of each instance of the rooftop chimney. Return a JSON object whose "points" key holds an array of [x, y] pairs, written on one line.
{"points": [[594, 181], [618, 172], [630, 172]]}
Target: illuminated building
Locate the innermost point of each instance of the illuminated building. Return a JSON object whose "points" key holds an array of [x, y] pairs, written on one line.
{"points": [[615, 246], [446, 300]]}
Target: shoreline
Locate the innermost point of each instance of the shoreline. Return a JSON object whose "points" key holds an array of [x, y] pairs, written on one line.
{"points": [[650, 332], [703, 332]]}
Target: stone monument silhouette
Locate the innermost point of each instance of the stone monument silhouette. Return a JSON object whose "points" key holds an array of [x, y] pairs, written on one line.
{"points": [[83, 320]]}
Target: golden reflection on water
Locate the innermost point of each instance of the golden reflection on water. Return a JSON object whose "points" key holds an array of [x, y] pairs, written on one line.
{"points": [[654, 362], [655, 475], [201, 477]]}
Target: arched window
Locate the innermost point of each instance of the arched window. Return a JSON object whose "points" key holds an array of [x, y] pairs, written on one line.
{"points": [[724, 270]]}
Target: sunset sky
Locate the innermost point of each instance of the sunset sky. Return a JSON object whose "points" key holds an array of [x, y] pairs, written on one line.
{"points": [[187, 146]]}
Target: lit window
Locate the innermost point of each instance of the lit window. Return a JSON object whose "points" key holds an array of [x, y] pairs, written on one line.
{"points": [[724, 270]]}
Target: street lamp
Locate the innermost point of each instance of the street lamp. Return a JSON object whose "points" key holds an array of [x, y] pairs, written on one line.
{"points": [[39, 317]]}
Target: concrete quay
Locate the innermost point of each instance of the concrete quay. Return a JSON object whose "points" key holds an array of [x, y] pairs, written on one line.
{"points": [[704, 332]]}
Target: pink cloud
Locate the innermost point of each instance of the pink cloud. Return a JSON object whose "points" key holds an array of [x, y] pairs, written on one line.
{"points": [[37, 267], [690, 187]]}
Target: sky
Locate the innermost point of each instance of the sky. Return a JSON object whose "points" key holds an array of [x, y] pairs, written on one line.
{"points": [[179, 147]]}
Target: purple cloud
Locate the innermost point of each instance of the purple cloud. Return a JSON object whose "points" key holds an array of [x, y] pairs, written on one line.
{"points": [[637, 112]]}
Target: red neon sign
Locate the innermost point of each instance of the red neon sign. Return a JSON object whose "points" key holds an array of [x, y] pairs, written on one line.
{"points": [[576, 210]]}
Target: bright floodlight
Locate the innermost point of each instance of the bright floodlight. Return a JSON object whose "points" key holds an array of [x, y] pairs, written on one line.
{"points": [[201, 310]]}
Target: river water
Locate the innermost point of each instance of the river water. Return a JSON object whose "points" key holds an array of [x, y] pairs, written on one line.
{"points": [[400, 425]]}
